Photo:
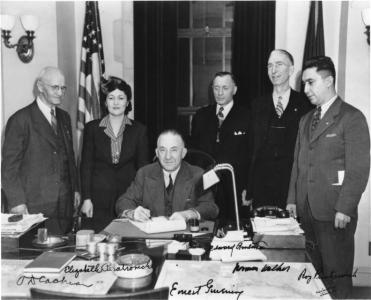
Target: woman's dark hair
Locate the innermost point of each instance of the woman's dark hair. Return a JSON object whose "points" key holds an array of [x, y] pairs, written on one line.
{"points": [[113, 83]]}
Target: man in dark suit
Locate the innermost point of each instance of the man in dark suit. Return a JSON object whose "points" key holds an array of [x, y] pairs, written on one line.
{"points": [[221, 129], [329, 174], [274, 125], [170, 187], [38, 164]]}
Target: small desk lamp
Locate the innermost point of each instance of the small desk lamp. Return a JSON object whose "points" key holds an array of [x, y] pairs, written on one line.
{"points": [[210, 178]]}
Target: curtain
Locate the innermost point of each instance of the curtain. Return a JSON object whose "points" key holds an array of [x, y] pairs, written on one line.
{"points": [[155, 61], [253, 38], [315, 40]]}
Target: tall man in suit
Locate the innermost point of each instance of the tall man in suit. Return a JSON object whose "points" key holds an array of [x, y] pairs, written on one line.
{"points": [[220, 129], [274, 124], [38, 164], [170, 187], [329, 174]]}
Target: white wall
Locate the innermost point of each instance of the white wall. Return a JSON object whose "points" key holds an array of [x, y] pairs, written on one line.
{"points": [[292, 19], [17, 77]]}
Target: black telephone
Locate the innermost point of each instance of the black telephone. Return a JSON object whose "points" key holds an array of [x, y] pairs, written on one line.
{"points": [[271, 212]]}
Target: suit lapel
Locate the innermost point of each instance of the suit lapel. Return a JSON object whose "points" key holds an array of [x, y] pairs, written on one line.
{"points": [[182, 188], [65, 129], [327, 120], [105, 143], [41, 125], [156, 186]]}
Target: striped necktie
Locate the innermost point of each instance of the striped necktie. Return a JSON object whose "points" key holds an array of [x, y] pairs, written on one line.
{"points": [[220, 115], [279, 107], [316, 118], [54, 121]]}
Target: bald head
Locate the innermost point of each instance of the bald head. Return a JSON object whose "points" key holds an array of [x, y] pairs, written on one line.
{"points": [[51, 86]]}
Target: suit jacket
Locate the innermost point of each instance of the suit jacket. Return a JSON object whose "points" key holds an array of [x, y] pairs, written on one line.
{"points": [[101, 180], [341, 142], [30, 169], [261, 113], [148, 190], [233, 145]]}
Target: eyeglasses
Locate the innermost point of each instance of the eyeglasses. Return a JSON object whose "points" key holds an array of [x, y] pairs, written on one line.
{"points": [[56, 88]]}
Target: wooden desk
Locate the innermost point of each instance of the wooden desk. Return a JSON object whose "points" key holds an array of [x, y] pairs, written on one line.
{"points": [[157, 256]]}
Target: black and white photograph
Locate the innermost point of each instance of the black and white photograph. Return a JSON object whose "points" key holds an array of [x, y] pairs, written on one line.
{"points": [[179, 150]]}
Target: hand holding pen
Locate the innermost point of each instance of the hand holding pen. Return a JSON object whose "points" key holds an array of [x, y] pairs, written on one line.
{"points": [[142, 214]]}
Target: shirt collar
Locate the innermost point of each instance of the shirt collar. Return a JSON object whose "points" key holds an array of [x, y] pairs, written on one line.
{"points": [[173, 174], [108, 128], [285, 97], [105, 121], [226, 108], [326, 106], [45, 109]]}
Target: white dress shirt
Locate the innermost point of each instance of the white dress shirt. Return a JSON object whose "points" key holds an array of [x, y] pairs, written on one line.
{"points": [[45, 109]]}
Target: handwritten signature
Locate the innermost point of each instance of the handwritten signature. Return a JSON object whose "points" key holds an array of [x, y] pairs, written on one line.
{"points": [[32, 280], [207, 288], [303, 275], [237, 246], [105, 267], [266, 268]]}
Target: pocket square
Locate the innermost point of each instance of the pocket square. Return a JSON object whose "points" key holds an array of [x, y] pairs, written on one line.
{"points": [[331, 135], [239, 132]]}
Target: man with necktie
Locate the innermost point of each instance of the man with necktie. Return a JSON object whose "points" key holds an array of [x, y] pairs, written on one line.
{"points": [[168, 187], [38, 163], [221, 130], [274, 125], [330, 172]]}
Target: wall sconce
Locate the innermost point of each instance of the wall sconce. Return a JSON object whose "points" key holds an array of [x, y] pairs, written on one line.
{"points": [[25, 46], [366, 20]]}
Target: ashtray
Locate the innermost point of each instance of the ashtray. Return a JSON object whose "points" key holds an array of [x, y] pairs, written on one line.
{"points": [[134, 265], [52, 241]]}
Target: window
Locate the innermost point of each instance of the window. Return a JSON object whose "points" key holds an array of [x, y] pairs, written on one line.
{"points": [[204, 48]]}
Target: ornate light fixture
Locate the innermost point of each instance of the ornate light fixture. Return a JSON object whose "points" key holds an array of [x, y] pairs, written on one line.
{"points": [[366, 20], [25, 46]]}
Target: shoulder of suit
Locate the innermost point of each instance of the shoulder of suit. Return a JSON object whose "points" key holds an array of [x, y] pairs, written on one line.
{"points": [[206, 109], [194, 170], [137, 124], [24, 113]]}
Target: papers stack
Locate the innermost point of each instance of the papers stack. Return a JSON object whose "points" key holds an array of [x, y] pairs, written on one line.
{"points": [[21, 226], [269, 226], [228, 251], [160, 224]]}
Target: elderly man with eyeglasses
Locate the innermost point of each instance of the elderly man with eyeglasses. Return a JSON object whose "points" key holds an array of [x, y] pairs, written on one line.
{"points": [[38, 164]]}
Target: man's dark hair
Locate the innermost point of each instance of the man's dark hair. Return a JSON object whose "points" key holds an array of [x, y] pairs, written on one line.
{"points": [[222, 74], [173, 132], [286, 53], [321, 63]]}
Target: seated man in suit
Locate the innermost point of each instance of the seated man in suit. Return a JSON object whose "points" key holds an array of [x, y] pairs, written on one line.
{"points": [[168, 187]]}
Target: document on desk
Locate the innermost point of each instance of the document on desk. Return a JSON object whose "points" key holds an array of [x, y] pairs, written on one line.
{"points": [[160, 224], [9, 228], [284, 226], [214, 280]]}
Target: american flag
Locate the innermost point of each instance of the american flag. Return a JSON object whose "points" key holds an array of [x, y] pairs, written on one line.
{"points": [[92, 68]]}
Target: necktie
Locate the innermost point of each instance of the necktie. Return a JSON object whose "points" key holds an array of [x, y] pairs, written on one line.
{"points": [[316, 118], [170, 185], [220, 116], [279, 107], [54, 121]]}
